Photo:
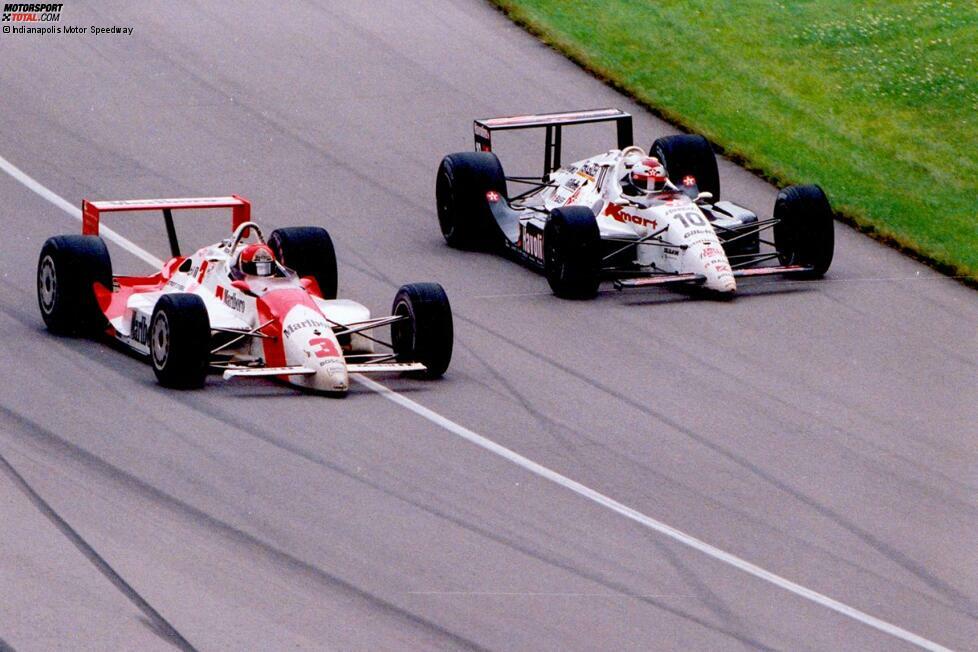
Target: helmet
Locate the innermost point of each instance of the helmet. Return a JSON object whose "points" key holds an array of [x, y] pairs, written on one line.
{"points": [[648, 174], [256, 260]]}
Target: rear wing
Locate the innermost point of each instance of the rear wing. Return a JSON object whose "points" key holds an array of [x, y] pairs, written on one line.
{"points": [[92, 212], [552, 122]]}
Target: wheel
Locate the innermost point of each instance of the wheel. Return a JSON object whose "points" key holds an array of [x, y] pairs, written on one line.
{"points": [[426, 336], [180, 338], [572, 252], [805, 232], [308, 250], [461, 187], [689, 155], [68, 267]]}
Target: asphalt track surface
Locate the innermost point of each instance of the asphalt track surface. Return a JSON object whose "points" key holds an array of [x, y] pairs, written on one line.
{"points": [[823, 431]]}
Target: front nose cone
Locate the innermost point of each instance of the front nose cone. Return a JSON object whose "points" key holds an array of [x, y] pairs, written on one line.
{"points": [[724, 284], [332, 376], [709, 259]]}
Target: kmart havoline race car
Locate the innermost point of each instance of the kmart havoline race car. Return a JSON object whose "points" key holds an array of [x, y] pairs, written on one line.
{"points": [[634, 217], [245, 308]]}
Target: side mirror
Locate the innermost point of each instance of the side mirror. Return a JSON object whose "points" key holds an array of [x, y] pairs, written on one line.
{"points": [[243, 287], [703, 196]]}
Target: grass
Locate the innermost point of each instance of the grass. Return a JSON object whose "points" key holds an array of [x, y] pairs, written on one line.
{"points": [[876, 101]]}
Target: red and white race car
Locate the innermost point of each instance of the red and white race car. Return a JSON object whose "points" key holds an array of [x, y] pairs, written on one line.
{"points": [[244, 306]]}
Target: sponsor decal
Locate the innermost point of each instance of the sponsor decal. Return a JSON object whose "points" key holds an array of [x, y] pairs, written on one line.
{"points": [[531, 241], [618, 213], [230, 299], [305, 323], [588, 171], [710, 252], [570, 200], [671, 252], [139, 331]]}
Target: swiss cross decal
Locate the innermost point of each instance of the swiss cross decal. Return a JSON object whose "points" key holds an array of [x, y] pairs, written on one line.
{"points": [[324, 347], [492, 196], [689, 180]]}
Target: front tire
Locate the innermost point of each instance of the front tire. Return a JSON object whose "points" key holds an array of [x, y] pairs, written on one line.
{"points": [[427, 333], [805, 232], [308, 250], [572, 252], [463, 181], [67, 270], [180, 338], [689, 155]]}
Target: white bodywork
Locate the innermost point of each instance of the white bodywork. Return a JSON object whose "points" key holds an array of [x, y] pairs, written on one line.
{"points": [[686, 242]]}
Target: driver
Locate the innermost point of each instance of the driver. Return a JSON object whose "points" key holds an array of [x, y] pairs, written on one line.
{"points": [[255, 260], [647, 175]]}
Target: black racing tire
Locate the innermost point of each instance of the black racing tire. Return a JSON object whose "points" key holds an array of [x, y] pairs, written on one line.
{"points": [[572, 252], [67, 269], [805, 231], [463, 181], [180, 339], [308, 250], [689, 155], [427, 335]]}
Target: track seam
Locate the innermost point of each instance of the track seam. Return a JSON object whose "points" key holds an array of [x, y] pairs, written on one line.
{"points": [[160, 624]]}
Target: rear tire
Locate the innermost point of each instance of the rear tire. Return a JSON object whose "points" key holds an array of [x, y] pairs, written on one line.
{"points": [[308, 250], [67, 269], [572, 252], [180, 338], [689, 155], [463, 181], [805, 234], [427, 335]]}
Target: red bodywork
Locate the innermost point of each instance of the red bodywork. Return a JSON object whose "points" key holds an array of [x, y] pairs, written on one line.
{"points": [[92, 210], [112, 301]]}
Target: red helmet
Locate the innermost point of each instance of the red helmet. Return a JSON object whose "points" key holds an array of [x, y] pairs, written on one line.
{"points": [[256, 260], [648, 174]]}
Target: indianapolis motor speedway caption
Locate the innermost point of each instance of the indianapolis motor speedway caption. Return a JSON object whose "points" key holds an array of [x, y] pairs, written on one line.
{"points": [[92, 30], [49, 13]]}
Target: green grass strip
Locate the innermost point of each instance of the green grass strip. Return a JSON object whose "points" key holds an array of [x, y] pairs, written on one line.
{"points": [[876, 101]]}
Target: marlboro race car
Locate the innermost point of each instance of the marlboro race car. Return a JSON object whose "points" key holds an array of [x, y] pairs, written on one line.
{"points": [[244, 306], [634, 217]]}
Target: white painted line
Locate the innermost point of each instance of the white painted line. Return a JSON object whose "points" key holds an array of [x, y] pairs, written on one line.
{"points": [[647, 521], [542, 471], [76, 213]]}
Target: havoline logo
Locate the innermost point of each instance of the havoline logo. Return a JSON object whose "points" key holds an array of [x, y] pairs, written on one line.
{"points": [[31, 12]]}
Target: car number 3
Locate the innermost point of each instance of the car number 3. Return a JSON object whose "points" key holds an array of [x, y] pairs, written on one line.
{"points": [[326, 348]]}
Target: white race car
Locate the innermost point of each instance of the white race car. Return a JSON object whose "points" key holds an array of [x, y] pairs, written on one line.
{"points": [[635, 217], [244, 308]]}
